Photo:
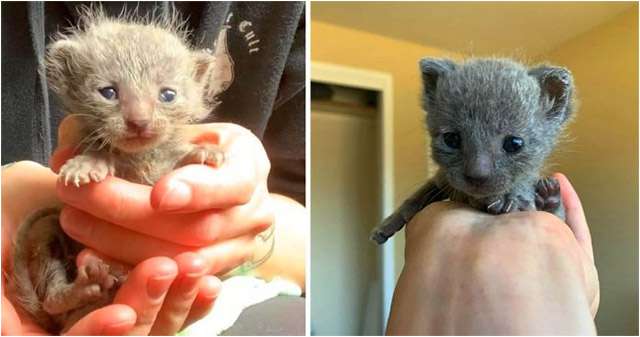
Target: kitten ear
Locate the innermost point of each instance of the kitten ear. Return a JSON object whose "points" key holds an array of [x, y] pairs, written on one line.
{"points": [[432, 69], [556, 91], [61, 64], [214, 72]]}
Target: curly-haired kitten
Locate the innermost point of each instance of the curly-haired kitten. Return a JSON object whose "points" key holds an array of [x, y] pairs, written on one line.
{"points": [[492, 123], [131, 82]]}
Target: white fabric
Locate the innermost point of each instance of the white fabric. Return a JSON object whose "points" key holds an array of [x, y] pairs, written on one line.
{"points": [[238, 293]]}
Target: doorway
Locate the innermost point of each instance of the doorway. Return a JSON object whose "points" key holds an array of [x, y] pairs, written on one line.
{"points": [[353, 278]]}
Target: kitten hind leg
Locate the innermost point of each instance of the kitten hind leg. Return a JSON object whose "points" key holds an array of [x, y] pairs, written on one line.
{"points": [[548, 197], [93, 281]]}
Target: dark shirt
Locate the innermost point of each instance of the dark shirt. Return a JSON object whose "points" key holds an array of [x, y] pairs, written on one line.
{"points": [[264, 41]]}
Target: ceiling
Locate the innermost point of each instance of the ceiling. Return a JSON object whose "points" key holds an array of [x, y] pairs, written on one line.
{"points": [[524, 28]]}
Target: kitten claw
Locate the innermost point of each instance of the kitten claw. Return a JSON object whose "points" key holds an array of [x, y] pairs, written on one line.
{"points": [[493, 204], [509, 206], [505, 204]]}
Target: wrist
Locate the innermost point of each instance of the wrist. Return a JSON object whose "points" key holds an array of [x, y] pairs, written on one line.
{"points": [[290, 233]]}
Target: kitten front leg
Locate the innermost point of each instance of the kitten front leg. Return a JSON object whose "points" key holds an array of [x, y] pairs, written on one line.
{"points": [[84, 168], [427, 194], [204, 154], [548, 197]]}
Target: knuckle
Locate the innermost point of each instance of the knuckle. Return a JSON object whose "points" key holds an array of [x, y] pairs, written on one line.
{"points": [[207, 231], [243, 192], [550, 228]]}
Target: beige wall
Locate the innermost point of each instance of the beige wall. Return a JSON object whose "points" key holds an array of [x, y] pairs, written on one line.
{"points": [[601, 160], [339, 45]]}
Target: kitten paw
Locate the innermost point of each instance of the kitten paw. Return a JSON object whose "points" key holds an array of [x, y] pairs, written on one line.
{"points": [[378, 236], [84, 169], [95, 273], [548, 196], [388, 228], [205, 154]]}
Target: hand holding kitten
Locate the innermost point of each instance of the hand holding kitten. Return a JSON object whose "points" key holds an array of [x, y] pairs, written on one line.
{"points": [[28, 186], [517, 273], [214, 211]]}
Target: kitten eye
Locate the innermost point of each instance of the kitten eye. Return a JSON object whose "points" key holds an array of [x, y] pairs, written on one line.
{"points": [[109, 93], [167, 95], [452, 139], [512, 144]]}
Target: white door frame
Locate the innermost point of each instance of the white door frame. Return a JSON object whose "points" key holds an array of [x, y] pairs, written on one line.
{"points": [[383, 83]]}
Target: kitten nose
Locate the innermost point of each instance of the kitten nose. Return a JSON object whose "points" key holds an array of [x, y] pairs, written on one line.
{"points": [[478, 170], [137, 125], [476, 180]]}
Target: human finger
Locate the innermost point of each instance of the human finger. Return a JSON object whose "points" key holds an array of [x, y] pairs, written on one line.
{"points": [[114, 241], [209, 288], [183, 291], [90, 206], [132, 247], [575, 217], [112, 320], [69, 136], [226, 255], [199, 187], [11, 323], [145, 289]]}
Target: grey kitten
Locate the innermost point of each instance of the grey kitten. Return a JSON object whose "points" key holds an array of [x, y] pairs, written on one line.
{"points": [[131, 82], [492, 123]]}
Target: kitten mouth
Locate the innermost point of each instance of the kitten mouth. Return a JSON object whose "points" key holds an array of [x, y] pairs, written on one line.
{"points": [[483, 190], [138, 142], [146, 134], [478, 190]]}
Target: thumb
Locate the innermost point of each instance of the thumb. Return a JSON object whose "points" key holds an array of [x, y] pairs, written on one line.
{"points": [[575, 217], [112, 320], [69, 136], [10, 319]]}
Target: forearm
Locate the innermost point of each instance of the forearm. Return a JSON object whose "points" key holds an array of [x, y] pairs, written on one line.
{"points": [[287, 259]]}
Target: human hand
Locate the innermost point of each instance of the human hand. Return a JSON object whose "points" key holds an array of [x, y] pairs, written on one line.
{"points": [[215, 212], [468, 272], [159, 295]]}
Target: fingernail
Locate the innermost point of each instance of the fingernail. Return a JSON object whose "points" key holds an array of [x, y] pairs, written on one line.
{"points": [[197, 268], [72, 227], [212, 288], [158, 286], [177, 196]]}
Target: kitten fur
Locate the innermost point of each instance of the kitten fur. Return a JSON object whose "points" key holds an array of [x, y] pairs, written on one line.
{"points": [[483, 102], [133, 135]]}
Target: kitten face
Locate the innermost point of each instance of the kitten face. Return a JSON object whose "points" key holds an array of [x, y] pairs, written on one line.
{"points": [[489, 124], [131, 84]]}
